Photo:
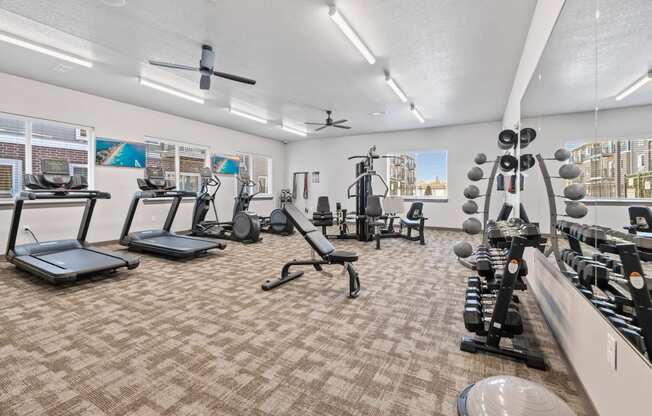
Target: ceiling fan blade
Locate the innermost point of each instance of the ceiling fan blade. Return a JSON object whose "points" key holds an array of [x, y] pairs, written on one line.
{"points": [[235, 78], [343, 127], [340, 121], [205, 82], [321, 128], [316, 124], [173, 66]]}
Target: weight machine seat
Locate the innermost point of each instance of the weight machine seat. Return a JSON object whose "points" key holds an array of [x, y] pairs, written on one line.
{"points": [[374, 211], [322, 215], [374, 207], [317, 241], [414, 215]]}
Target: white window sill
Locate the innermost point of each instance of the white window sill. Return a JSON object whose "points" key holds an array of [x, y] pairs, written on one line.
{"points": [[617, 202], [423, 199]]}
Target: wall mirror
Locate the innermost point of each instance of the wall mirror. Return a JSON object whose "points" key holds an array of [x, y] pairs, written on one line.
{"points": [[590, 103]]}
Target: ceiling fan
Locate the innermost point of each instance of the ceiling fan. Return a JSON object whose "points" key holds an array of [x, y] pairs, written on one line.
{"points": [[206, 69], [330, 123]]}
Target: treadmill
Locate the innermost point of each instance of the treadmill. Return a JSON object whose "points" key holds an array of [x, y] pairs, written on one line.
{"points": [[164, 242], [61, 261]]}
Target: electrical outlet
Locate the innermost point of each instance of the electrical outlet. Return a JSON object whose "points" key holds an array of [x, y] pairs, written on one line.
{"points": [[153, 218], [26, 227], [612, 351]]}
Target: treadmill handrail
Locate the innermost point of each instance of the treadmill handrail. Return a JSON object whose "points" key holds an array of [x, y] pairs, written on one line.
{"points": [[164, 194], [63, 194]]}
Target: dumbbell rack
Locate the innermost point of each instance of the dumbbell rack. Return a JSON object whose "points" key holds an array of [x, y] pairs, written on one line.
{"points": [[495, 331], [633, 272], [630, 311]]}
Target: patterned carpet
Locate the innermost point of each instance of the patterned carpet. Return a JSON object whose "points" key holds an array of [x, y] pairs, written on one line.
{"points": [[201, 338]]}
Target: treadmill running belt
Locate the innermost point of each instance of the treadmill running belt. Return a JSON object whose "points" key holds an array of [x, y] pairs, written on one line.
{"points": [[176, 243], [80, 259]]}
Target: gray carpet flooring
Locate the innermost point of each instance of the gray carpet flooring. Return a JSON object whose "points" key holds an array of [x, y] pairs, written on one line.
{"points": [[200, 337]]}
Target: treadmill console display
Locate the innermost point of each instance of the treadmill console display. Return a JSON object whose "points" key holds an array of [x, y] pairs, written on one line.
{"points": [[55, 167], [55, 172], [155, 179]]}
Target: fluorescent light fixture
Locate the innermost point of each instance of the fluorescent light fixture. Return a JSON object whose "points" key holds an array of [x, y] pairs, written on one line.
{"points": [[249, 116], [44, 50], [417, 113], [344, 26], [399, 92], [636, 85], [294, 131], [171, 91]]}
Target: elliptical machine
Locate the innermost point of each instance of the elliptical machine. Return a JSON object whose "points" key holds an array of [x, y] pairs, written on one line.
{"points": [[244, 226], [277, 222]]}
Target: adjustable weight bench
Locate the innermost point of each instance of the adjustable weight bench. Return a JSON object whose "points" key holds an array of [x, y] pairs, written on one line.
{"points": [[321, 246]]}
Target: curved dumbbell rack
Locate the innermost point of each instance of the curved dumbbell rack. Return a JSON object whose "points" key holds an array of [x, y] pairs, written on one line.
{"points": [[552, 209], [487, 199]]}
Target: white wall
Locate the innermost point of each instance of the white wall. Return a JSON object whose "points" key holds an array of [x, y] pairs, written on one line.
{"points": [[118, 120], [556, 131], [329, 157]]}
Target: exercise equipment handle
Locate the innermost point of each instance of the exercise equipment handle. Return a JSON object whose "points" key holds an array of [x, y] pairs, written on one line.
{"points": [[371, 174]]}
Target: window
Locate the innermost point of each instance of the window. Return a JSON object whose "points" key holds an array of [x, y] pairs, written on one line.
{"points": [[24, 142], [180, 162], [418, 174], [614, 169], [191, 160], [259, 169]]}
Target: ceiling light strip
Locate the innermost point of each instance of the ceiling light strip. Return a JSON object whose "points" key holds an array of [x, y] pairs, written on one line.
{"points": [[294, 131], [146, 83], [397, 90], [248, 116], [417, 114], [635, 86], [44, 50], [348, 31]]}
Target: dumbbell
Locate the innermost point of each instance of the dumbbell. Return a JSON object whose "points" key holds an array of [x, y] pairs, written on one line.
{"points": [[610, 262], [571, 256], [635, 338], [610, 313], [564, 252], [617, 268], [478, 300], [599, 257], [576, 261], [600, 276], [619, 323]]}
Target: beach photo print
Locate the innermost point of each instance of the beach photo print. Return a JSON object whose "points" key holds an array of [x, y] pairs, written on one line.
{"points": [[111, 152], [225, 165]]}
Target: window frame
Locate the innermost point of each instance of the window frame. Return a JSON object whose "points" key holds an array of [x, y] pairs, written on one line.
{"points": [[424, 198], [177, 156], [16, 166], [270, 172], [617, 167], [29, 140]]}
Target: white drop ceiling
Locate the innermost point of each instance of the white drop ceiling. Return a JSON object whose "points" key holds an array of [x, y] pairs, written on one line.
{"points": [[588, 62], [455, 60]]}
